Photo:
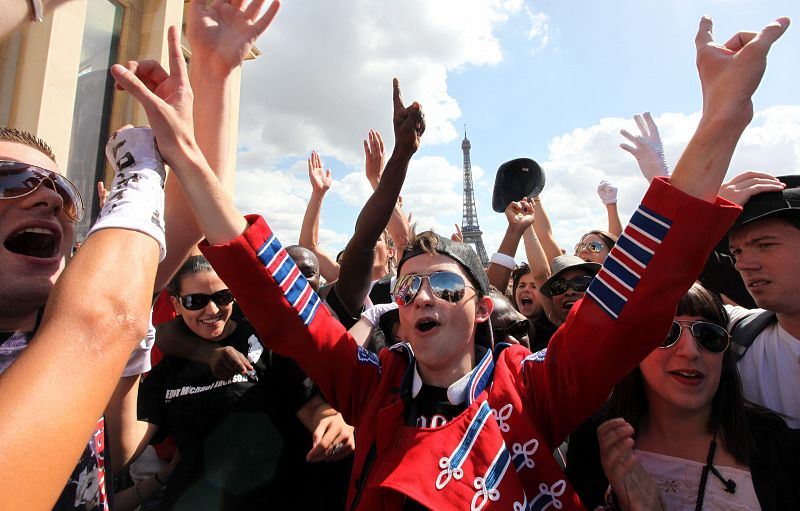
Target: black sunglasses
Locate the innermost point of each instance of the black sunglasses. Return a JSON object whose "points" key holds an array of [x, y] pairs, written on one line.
{"points": [[19, 179], [579, 284], [517, 330], [709, 336], [592, 246], [446, 285], [197, 301]]}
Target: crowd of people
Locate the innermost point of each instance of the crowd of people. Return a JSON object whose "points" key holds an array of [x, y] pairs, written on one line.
{"points": [[185, 359]]}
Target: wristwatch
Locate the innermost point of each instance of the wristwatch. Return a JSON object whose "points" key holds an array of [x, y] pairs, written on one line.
{"points": [[38, 10]]}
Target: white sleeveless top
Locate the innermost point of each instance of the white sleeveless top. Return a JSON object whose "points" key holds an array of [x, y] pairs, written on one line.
{"points": [[678, 480]]}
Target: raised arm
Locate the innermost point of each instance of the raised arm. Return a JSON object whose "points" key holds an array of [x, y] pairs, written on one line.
{"points": [[520, 217], [729, 75], [540, 268], [220, 35], [608, 194], [309, 232], [631, 302], [399, 226], [544, 232], [354, 275]]}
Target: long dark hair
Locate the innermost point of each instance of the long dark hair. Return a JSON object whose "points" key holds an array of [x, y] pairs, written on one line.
{"points": [[516, 275], [194, 264], [629, 400]]}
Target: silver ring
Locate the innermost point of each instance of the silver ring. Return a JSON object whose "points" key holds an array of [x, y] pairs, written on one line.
{"points": [[337, 448]]}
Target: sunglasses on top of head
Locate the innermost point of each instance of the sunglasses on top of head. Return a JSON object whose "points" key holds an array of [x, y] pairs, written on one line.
{"points": [[579, 284], [709, 336], [594, 247], [445, 285], [19, 179], [517, 330], [197, 301]]}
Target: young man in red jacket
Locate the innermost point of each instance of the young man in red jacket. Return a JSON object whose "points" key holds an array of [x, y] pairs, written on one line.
{"points": [[442, 421]]}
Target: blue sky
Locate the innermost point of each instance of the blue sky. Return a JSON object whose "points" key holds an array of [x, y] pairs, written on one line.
{"points": [[554, 81]]}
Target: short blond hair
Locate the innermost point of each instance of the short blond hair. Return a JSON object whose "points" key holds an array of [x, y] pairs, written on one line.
{"points": [[23, 137]]}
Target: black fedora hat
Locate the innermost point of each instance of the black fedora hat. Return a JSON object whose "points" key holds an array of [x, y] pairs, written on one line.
{"points": [[783, 203], [516, 179]]}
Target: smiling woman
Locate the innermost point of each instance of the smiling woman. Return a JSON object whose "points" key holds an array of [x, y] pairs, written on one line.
{"points": [[682, 418]]}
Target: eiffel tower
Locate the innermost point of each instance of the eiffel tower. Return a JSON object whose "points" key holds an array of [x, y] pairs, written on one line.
{"points": [[470, 229]]}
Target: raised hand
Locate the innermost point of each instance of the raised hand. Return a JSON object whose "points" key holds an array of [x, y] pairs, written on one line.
{"points": [[749, 183], [456, 236], [647, 148], [166, 97], [320, 179], [223, 33], [607, 192], [409, 123], [634, 487], [731, 72], [374, 156], [520, 213]]}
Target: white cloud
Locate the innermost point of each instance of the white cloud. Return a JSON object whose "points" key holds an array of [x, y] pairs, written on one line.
{"points": [[539, 31], [322, 83], [576, 163], [578, 160]]}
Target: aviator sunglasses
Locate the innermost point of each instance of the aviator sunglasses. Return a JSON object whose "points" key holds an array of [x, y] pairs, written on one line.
{"points": [[19, 179], [594, 247], [198, 301], [579, 284], [446, 285], [517, 330], [709, 336]]}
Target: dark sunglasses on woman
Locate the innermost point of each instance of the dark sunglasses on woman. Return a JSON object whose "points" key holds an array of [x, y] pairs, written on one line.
{"points": [[197, 301], [19, 179], [579, 284], [517, 330], [445, 285], [709, 336], [593, 246]]}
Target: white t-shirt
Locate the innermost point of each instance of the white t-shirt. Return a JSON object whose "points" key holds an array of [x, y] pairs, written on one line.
{"points": [[770, 370], [678, 482]]}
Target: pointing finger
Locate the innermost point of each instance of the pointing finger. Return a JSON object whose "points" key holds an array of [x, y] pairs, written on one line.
{"points": [[177, 65], [398, 101]]}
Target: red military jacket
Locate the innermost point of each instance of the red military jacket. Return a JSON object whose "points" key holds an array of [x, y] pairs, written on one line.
{"points": [[497, 454]]}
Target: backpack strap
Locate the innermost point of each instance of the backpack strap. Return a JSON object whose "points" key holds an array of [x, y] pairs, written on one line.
{"points": [[745, 331]]}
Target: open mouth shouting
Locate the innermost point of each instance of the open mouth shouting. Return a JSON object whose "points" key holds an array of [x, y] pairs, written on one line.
{"points": [[36, 241], [425, 325]]}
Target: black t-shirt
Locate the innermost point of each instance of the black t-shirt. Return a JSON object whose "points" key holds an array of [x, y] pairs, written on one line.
{"points": [[240, 441]]}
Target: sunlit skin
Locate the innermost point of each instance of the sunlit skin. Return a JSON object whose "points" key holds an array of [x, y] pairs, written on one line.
{"points": [[446, 351], [766, 253], [682, 379], [593, 257], [27, 280], [527, 298], [563, 303], [211, 322]]}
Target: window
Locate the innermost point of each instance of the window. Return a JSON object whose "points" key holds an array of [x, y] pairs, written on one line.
{"points": [[93, 99]]}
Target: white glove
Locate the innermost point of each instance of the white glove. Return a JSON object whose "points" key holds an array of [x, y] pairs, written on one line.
{"points": [[607, 192], [647, 148]]}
